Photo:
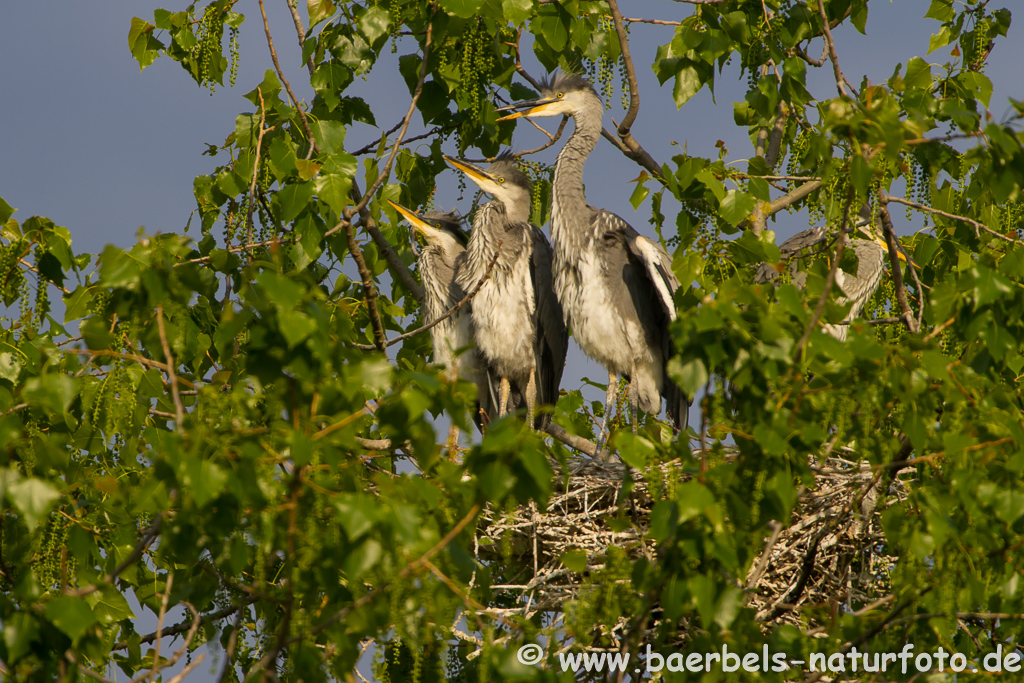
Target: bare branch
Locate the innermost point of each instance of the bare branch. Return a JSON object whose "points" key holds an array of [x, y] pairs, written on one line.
{"points": [[369, 289], [634, 87], [250, 205], [552, 139], [660, 22], [897, 272], [466, 299], [179, 410], [885, 199], [571, 440], [830, 44], [284, 81], [300, 31], [148, 536]]}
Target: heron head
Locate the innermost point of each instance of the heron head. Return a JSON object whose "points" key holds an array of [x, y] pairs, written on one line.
{"points": [[504, 181], [866, 228], [562, 94], [436, 228]]}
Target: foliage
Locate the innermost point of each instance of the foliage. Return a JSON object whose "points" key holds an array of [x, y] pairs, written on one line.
{"points": [[211, 425]]}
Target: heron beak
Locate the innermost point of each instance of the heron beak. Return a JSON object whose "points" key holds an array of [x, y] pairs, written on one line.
{"points": [[475, 173], [528, 108], [899, 254], [420, 225]]}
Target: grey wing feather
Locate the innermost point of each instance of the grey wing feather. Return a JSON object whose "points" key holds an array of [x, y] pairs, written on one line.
{"points": [[552, 341], [657, 266]]}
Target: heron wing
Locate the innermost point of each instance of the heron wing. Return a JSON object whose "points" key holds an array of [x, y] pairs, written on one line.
{"points": [[552, 339], [653, 264], [656, 262]]}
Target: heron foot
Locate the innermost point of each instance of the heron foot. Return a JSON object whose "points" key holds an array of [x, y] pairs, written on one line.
{"points": [[602, 437]]}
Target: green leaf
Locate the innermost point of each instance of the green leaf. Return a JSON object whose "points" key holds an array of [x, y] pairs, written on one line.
{"points": [[943, 37], [639, 195], [319, 10], [517, 11], [330, 135], [109, 605], [941, 10], [690, 376], [292, 199], [574, 561], [374, 23], [20, 631], [144, 47], [203, 479], [688, 84], [736, 206], [334, 189], [34, 497], [72, 616], [462, 8], [5, 210]]}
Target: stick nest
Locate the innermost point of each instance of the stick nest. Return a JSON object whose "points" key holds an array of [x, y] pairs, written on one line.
{"points": [[832, 553]]}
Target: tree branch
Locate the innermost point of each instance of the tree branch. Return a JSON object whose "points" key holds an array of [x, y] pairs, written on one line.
{"points": [[284, 81], [179, 410], [300, 31], [401, 134], [830, 44], [897, 272], [634, 87], [885, 199], [369, 289], [448, 313]]}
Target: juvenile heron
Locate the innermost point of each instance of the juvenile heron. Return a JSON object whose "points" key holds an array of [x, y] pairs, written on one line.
{"points": [[519, 326], [615, 285], [870, 250], [438, 264]]}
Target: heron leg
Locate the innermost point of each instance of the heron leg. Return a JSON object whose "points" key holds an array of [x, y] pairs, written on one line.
{"points": [[609, 399], [503, 388], [531, 396], [634, 398]]}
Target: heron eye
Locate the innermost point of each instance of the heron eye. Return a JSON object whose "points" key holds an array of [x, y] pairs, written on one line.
{"points": [[560, 94], [437, 225], [501, 180]]}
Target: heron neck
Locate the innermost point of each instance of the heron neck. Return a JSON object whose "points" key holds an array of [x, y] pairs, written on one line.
{"points": [[569, 211]]}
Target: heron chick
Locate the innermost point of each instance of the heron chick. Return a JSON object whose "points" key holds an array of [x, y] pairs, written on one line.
{"points": [[869, 248], [439, 262], [518, 323], [615, 285]]}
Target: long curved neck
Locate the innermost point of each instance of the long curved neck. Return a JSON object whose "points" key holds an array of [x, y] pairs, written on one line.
{"points": [[570, 213]]}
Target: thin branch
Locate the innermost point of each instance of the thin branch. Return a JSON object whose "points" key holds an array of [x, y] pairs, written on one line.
{"points": [[401, 133], [179, 410], [466, 299], [897, 272], [660, 22], [830, 44], [130, 356], [148, 536], [300, 31], [194, 622], [160, 623], [251, 204], [762, 562], [552, 140], [374, 145], [634, 87], [369, 289], [284, 81], [571, 440], [885, 198]]}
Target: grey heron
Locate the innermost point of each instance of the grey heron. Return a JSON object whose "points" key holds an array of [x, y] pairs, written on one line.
{"points": [[615, 285], [870, 250], [519, 326], [439, 262]]}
